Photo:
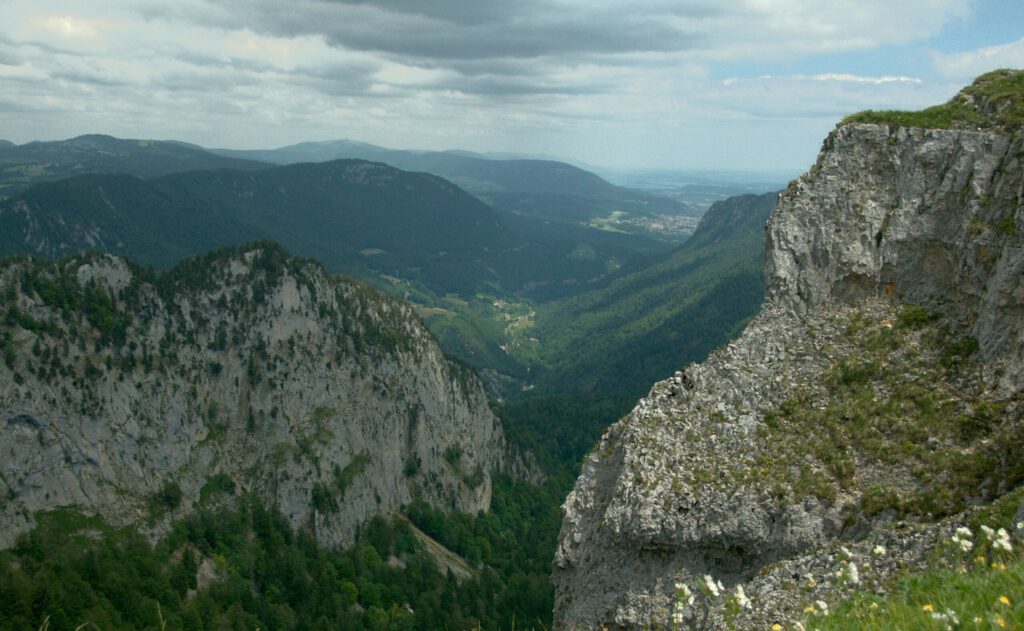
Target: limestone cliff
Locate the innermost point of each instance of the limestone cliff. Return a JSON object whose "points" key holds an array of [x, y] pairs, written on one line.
{"points": [[245, 371], [879, 387]]}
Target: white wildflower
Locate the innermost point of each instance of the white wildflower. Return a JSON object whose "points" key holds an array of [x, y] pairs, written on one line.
{"points": [[846, 552], [1020, 525], [677, 617], [741, 598], [684, 596], [713, 587], [878, 551], [1002, 541], [948, 617], [811, 583], [822, 606], [962, 539], [988, 532], [848, 573], [852, 574]]}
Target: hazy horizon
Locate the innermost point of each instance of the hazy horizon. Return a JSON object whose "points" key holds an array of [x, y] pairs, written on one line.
{"points": [[750, 85]]}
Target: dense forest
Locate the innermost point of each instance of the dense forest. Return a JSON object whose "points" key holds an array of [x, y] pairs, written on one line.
{"points": [[236, 564]]}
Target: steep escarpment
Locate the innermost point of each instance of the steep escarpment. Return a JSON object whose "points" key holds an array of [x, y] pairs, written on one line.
{"points": [[876, 394], [139, 397]]}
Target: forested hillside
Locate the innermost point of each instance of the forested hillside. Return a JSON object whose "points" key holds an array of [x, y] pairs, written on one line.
{"points": [[641, 326], [33, 162], [550, 189], [361, 218]]}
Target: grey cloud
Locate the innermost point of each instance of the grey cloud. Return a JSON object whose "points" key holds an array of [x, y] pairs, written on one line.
{"points": [[202, 60], [452, 11], [490, 47], [9, 58], [343, 83], [87, 78], [440, 33], [206, 82]]}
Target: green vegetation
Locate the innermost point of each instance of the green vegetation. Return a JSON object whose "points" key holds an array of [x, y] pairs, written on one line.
{"points": [[978, 589], [548, 189], [217, 485], [420, 228], [328, 498], [994, 101], [894, 399], [618, 338], [166, 499], [258, 573]]}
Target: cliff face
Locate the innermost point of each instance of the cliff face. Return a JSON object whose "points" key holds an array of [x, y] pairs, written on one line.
{"points": [[878, 386], [927, 217], [245, 371]]}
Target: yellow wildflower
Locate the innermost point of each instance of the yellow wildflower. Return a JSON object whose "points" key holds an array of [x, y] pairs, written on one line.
{"points": [[1001, 622], [928, 607], [776, 627], [874, 605], [809, 609], [1004, 600]]}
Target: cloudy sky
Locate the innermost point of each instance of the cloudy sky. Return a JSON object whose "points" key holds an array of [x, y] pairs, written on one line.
{"points": [[718, 84]]}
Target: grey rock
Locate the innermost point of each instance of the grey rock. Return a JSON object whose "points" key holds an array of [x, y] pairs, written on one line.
{"points": [[290, 385], [887, 217]]}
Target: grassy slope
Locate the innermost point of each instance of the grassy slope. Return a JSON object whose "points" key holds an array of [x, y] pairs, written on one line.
{"points": [[994, 101]]}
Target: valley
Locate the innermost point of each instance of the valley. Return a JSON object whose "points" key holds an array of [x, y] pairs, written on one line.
{"points": [[334, 385], [489, 283]]}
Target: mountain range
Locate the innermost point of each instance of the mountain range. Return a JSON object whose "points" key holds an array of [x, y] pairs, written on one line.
{"points": [[32, 162]]}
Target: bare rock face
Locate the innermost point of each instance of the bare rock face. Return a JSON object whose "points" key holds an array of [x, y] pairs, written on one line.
{"points": [[925, 216], [244, 372], [890, 346]]}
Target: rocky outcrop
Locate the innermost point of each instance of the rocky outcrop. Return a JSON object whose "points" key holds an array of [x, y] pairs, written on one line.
{"points": [[879, 387], [924, 216], [245, 371]]}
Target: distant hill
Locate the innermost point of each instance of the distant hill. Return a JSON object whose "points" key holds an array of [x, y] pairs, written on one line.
{"points": [[546, 188], [642, 326], [24, 165], [361, 218], [6, 143], [480, 172]]}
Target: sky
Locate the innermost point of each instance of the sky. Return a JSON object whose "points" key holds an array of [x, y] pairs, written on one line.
{"points": [[688, 84]]}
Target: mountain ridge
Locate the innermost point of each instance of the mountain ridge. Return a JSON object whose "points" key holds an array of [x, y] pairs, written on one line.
{"points": [[43, 161], [351, 214]]}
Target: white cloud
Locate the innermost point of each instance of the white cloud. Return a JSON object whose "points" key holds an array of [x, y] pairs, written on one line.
{"points": [[827, 96], [844, 77], [67, 25], [962, 67]]}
